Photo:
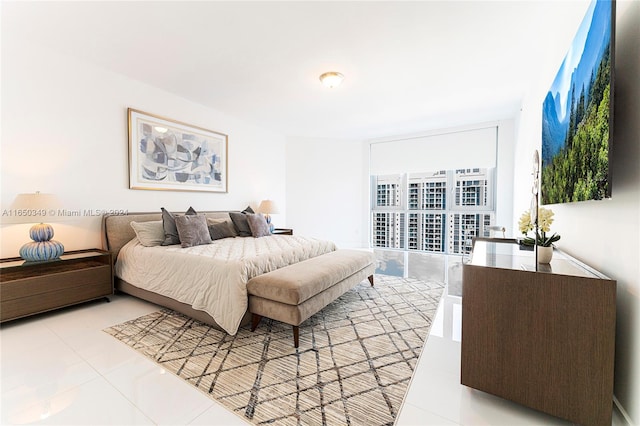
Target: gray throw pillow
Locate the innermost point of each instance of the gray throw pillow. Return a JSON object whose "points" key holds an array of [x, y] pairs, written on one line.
{"points": [[240, 222], [169, 224], [221, 230], [258, 224], [193, 230]]}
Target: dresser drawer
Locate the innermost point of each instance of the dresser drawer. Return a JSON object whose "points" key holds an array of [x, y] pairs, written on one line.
{"points": [[42, 302], [54, 282]]}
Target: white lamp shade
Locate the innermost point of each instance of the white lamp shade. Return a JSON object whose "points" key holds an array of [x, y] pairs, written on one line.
{"points": [[268, 207], [32, 208]]}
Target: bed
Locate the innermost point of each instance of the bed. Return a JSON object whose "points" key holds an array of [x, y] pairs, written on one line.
{"points": [[206, 282]]}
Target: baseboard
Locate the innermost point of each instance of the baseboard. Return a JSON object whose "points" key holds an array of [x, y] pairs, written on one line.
{"points": [[624, 413]]}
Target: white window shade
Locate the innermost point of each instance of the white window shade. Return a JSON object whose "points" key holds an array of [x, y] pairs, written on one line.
{"points": [[449, 151]]}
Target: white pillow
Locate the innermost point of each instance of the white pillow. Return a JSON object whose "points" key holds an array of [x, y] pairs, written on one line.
{"points": [[149, 233]]}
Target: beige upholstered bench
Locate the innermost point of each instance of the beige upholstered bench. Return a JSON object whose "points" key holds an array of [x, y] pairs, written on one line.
{"points": [[294, 293]]}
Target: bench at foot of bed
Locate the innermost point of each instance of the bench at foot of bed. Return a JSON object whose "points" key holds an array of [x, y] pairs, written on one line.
{"points": [[294, 293]]}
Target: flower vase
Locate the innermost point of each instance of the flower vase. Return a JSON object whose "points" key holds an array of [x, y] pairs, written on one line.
{"points": [[545, 254]]}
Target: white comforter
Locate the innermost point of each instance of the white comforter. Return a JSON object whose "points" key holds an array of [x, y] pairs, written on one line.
{"points": [[213, 277]]}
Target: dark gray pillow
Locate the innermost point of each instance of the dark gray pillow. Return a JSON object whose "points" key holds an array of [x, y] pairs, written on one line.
{"points": [[240, 222], [169, 224], [258, 224], [193, 230], [218, 231], [248, 210]]}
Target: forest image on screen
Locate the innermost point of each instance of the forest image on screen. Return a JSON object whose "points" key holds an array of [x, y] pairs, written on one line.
{"points": [[576, 115]]}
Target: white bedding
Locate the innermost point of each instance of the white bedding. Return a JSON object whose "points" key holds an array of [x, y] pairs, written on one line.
{"points": [[213, 277]]}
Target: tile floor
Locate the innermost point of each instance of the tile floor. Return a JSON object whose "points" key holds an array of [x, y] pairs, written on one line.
{"points": [[60, 368]]}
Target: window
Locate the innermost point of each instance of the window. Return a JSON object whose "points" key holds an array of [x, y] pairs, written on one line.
{"points": [[389, 230], [433, 192], [388, 191], [424, 219]]}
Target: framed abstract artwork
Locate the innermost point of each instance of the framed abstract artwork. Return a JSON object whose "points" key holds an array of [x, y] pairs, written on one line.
{"points": [[169, 155]]}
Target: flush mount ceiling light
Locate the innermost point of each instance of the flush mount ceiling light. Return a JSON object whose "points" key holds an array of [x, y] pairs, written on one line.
{"points": [[331, 79]]}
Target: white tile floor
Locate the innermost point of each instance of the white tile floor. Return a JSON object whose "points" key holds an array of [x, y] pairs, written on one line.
{"points": [[60, 368]]}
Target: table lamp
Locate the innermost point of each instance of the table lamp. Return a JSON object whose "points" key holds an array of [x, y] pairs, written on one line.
{"points": [[37, 208], [267, 208]]}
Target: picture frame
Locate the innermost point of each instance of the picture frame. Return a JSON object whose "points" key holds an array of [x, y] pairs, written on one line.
{"points": [[578, 114], [169, 155]]}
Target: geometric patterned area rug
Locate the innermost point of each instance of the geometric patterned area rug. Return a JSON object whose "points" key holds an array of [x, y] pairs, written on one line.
{"points": [[353, 366]]}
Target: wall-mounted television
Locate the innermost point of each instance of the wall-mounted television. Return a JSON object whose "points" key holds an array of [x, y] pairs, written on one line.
{"points": [[577, 114]]}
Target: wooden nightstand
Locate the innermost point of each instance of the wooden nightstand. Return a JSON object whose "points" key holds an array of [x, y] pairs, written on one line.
{"points": [[29, 288], [282, 231]]}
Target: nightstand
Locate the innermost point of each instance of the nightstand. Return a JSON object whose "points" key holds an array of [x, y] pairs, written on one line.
{"points": [[28, 288], [282, 231]]}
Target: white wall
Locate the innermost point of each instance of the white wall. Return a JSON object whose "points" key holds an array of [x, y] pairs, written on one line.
{"points": [[64, 131], [327, 190], [603, 234]]}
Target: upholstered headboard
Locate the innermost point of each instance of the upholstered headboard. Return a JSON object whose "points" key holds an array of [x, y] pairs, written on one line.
{"points": [[117, 230]]}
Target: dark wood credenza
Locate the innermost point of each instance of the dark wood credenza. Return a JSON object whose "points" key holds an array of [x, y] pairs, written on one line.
{"points": [[545, 338], [28, 288]]}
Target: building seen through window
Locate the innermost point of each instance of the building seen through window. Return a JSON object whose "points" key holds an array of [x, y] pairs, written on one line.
{"points": [[414, 212]]}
